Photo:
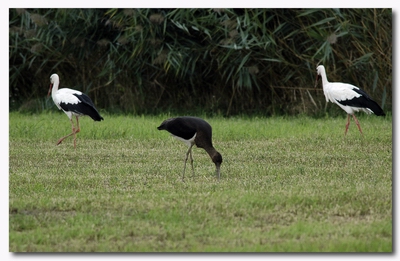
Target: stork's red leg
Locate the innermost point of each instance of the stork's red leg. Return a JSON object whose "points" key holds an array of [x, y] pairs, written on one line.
{"points": [[77, 125], [73, 132], [347, 125], [358, 124], [76, 131]]}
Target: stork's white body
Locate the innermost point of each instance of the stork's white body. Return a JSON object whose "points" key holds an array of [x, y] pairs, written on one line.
{"points": [[73, 103], [65, 95], [337, 91], [348, 97]]}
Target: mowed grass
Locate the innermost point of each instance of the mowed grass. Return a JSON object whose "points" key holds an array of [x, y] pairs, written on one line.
{"points": [[288, 184]]}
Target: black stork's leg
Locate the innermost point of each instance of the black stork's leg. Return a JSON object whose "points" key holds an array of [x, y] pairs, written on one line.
{"points": [[347, 125], [73, 132], [187, 154], [191, 161], [358, 124]]}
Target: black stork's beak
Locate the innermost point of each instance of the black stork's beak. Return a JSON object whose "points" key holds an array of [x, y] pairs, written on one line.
{"points": [[218, 170]]}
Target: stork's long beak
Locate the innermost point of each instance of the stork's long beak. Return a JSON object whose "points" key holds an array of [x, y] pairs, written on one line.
{"points": [[51, 86], [316, 81], [218, 166]]}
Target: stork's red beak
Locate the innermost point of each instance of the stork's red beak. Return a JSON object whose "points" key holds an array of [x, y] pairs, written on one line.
{"points": [[316, 81], [51, 86]]}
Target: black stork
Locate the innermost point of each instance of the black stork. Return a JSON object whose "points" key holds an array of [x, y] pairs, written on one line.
{"points": [[73, 103], [349, 97], [193, 130]]}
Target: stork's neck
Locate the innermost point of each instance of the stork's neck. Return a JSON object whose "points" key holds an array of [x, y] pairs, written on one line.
{"points": [[215, 157], [324, 79], [211, 151], [55, 87]]}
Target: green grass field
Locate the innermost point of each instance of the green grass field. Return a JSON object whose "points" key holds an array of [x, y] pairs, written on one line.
{"points": [[288, 184]]}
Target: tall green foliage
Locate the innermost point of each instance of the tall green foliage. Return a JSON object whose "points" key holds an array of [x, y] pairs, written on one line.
{"points": [[223, 61]]}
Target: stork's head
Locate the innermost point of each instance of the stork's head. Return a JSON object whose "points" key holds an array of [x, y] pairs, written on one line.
{"points": [[54, 79], [217, 159], [320, 69]]}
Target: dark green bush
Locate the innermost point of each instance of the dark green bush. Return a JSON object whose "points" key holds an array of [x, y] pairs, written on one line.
{"points": [[217, 61]]}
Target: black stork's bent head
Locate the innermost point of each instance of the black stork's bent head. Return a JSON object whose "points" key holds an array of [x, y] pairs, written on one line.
{"points": [[193, 130], [217, 159]]}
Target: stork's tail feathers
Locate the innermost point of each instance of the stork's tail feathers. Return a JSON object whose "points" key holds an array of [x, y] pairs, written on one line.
{"points": [[93, 113], [375, 108], [98, 119], [162, 126], [370, 104]]}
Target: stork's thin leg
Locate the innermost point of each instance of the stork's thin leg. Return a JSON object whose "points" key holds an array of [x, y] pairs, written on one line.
{"points": [[77, 125], [73, 132], [76, 131], [358, 124], [347, 125], [191, 162], [187, 154]]}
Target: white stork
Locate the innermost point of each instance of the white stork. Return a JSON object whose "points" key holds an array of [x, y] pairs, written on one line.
{"points": [[193, 130], [73, 103], [349, 97]]}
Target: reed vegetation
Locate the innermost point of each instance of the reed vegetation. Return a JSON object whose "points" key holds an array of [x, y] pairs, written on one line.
{"points": [[217, 61]]}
